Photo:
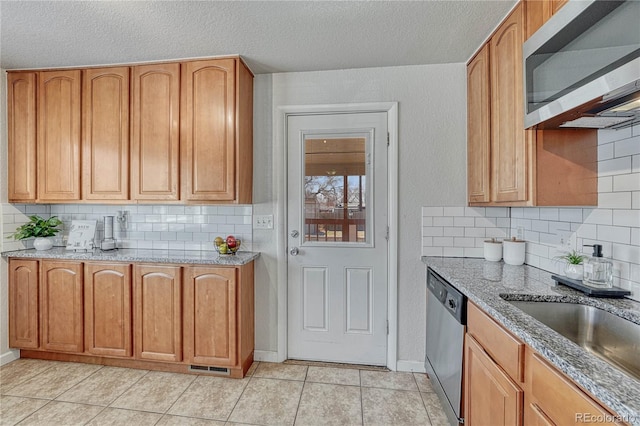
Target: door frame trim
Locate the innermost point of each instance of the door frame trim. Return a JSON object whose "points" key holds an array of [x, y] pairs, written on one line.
{"points": [[280, 185]]}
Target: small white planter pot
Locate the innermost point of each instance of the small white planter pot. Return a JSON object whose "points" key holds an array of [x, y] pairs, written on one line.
{"points": [[573, 271], [42, 243]]}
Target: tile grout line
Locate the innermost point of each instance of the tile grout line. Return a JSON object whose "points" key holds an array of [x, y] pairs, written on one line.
{"points": [[304, 383], [243, 391], [361, 398], [124, 391], [55, 398], [422, 399]]}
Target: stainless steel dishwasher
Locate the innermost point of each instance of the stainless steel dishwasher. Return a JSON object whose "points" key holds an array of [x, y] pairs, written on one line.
{"points": [[446, 320]]}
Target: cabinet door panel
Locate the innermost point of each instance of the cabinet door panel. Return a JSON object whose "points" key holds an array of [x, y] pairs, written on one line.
{"points": [[21, 128], [158, 312], [210, 316], [105, 111], [155, 137], [59, 135], [108, 309], [208, 130], [478, 128], [23, 304], [508, 142], [491, 397], [61, 306]]}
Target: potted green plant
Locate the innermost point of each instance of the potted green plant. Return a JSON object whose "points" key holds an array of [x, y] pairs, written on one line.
{"points": [[573, 267], [39, 228]]}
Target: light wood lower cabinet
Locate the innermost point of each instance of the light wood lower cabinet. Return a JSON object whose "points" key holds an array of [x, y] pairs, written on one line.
{"points": [[551, 398], [23, 304], [61, 307], [107, 307], [507, 383], [158, 312], [492, 398], [151, 316]]}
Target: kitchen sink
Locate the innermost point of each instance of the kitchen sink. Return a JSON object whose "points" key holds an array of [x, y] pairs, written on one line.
{"points": [[609, 337]]}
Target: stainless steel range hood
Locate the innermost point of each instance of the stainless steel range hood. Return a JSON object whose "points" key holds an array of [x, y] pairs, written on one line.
{"points": [[582, 68]]}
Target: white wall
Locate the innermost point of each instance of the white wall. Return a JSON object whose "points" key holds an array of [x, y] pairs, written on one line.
{"points": [[432, 170], [6, 355]]}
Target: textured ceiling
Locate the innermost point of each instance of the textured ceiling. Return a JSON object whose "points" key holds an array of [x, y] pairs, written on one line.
{"points": [[272, 36]]}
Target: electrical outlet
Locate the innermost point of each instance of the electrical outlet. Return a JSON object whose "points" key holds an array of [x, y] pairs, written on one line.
{"points": [[263, 221], [564, 240]]}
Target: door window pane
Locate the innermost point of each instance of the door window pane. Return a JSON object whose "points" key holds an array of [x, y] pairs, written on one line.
{"points": [[335, 190]]}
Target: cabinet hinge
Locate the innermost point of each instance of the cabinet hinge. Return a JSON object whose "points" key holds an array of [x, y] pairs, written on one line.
{"points": [[387, 327], [386, 236], [388, 139]]}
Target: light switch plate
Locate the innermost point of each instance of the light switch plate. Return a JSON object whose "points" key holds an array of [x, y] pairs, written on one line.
{"points": [[263, 221]]}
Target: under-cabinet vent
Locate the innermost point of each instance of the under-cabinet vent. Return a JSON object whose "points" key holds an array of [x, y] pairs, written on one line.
{"points": [[207, 369]]}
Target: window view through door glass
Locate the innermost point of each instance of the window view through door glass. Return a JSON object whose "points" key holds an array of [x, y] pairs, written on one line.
{"points": [[335, 190]]}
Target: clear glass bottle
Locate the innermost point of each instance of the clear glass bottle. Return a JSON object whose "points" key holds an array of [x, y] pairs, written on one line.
{"points": [[598, 271]]}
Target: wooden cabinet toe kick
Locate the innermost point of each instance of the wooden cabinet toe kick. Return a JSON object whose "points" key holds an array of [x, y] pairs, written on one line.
{"points": [[172, 367]]}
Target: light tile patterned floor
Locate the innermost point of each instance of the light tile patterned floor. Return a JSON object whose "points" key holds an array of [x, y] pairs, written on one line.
{"points": [[34, 392]]}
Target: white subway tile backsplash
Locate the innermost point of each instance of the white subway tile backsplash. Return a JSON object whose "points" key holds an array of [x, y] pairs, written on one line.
{"points": [[635, 163], [443, 221], [607, 136], [454, 211], [605, 151], [605, 184], [616, 234], [550, 214], [497, 212], [443, 241], [614, 166], [474, 232], [570, 215], [465, 221], [532, 213], [474, 211], [628, 182], [625, 147], [626, 218], [626, 253], [453, 232], [453, 251], [615, 200]]}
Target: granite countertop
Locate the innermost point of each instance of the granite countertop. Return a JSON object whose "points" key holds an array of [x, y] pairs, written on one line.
{"points": [[483, 282], [138, 255]]}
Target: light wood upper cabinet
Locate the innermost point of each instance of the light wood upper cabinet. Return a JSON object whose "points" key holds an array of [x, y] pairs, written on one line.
{"points": [[508, 142], [107, 303], [58, 135], [478, 127], [23, 304], [216, 148], [538, 12], [61, 306], [105, 141], [21, 105], [155, 136], [158, 312], [508, 165], [210, 317]]}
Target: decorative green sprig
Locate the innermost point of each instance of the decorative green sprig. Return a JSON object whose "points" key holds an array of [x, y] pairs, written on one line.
{"points": [[573, 257], [38, 227]]}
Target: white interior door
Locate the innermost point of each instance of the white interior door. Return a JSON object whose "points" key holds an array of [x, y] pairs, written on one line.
{"points": [[337, 237]]}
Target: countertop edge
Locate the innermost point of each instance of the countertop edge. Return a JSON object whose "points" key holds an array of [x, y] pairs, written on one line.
{"points": [[600, 379], [136, 255]]}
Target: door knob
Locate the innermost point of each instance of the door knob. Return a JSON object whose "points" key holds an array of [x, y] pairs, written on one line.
{"points": [[294, 251], [294, 234]]}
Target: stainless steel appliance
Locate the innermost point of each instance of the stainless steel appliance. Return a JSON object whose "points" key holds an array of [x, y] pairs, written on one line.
{"points": [[446, 324], [582, 67], [108, 242]]}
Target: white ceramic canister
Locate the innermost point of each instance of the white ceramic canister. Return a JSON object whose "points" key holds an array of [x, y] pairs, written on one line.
{"points": [[513, 251], [493, 250]]}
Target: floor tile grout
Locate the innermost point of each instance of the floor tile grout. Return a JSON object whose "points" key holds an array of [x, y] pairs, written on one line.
{"points": [[372, 381]]}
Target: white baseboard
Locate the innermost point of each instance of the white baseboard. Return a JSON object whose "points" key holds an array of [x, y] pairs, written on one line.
{"points": [[9, 356], [266, 356], [412, 366]]}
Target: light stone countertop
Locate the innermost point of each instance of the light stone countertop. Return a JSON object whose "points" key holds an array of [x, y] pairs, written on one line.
{"points": [[483, 282], [194, 257]]}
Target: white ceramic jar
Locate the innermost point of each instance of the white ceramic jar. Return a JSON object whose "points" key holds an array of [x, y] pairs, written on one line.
{"points": [[513, 251], [493, 250]]}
